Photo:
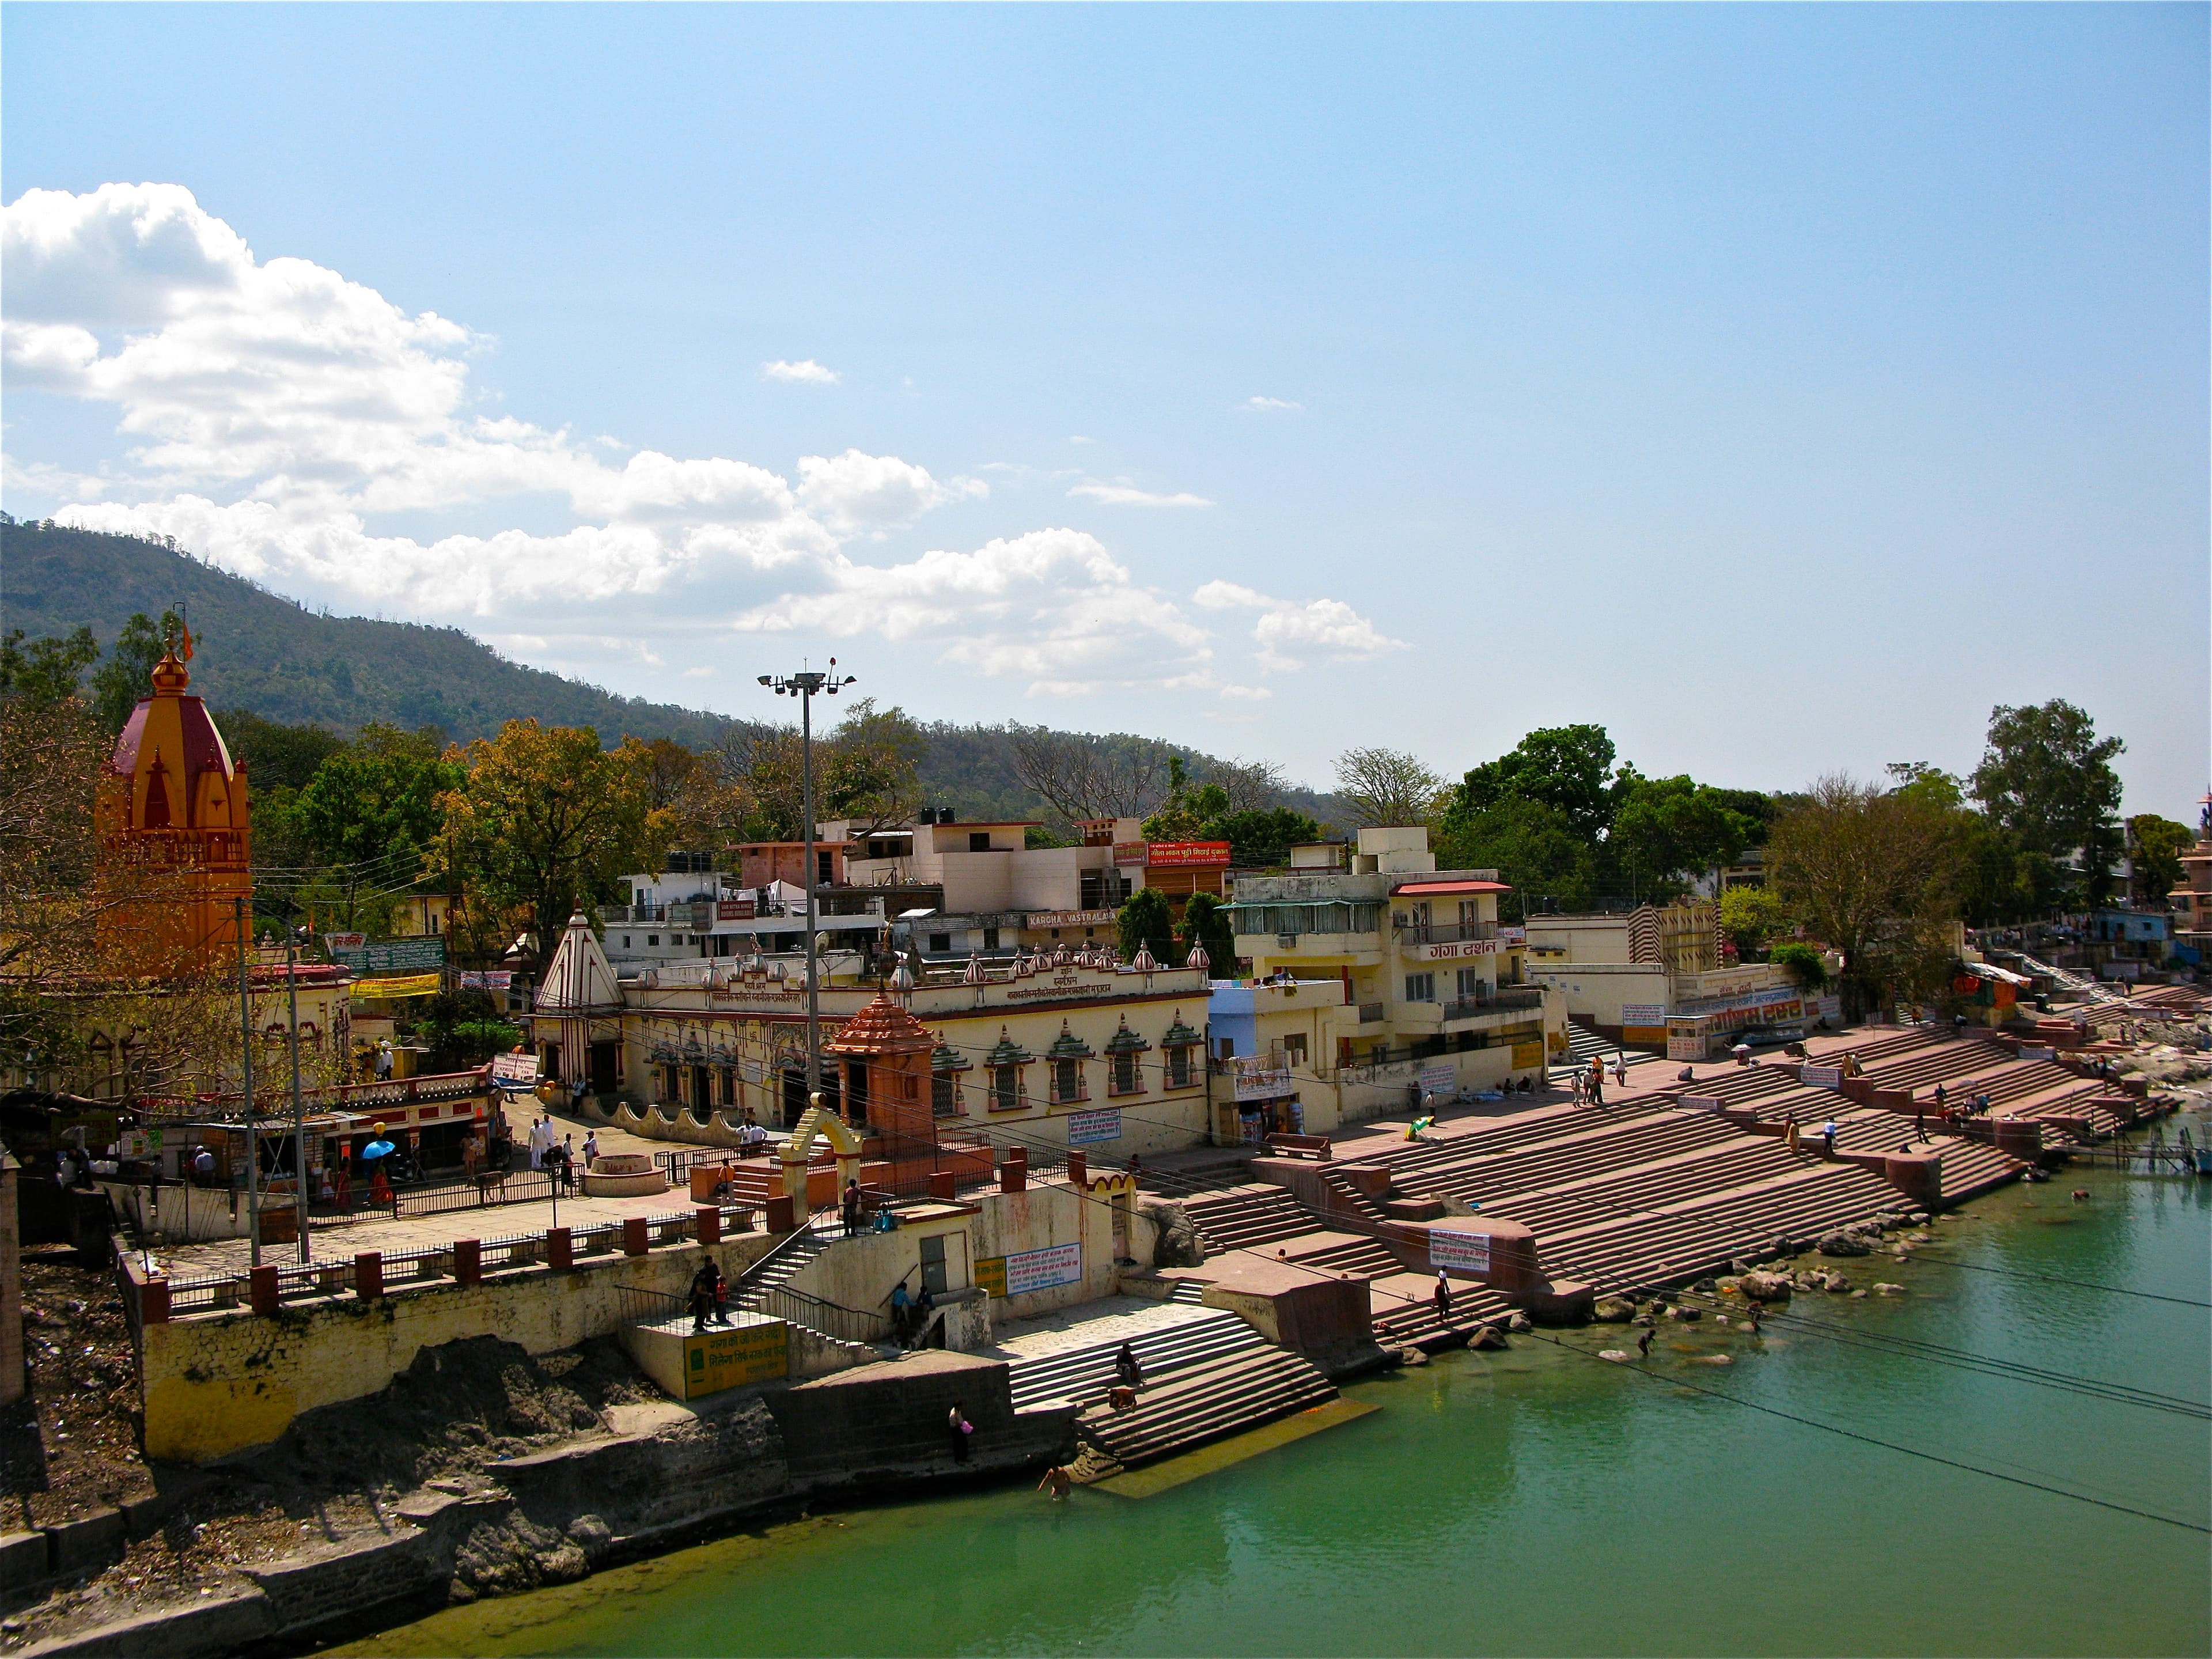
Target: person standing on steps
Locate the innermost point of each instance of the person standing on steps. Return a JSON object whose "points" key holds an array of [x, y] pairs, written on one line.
{"points": [[701, 1296], [961, 1429], [1790, 1137], [1597, 1082], [852, 1206], [1828, 1135], [1442, 1295]]}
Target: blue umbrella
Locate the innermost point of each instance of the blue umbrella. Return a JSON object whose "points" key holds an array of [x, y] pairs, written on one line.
{"points": [[375, 1149]]}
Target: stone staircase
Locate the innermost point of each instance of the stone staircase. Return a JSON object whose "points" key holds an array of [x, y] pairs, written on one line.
{"points": [[1204, 1402], [1083, 1374], [1404, 1312], [775, 1270], [1244, 1218], [1585, 1044]]}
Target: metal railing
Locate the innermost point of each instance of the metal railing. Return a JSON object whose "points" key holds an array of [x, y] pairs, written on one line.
{"points": [[1370, 1013], [1442, 932], [832, 1319], [1505, 1000]]}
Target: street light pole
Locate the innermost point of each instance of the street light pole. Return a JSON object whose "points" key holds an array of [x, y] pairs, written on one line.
{"points": [[299, 1103], [246, 1069], [803, 685]]}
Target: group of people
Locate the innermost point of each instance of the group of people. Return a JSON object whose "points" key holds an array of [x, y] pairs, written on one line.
{"points": [[709, 1295], [1589, 1085], [910, 1313], [555, 1153]]}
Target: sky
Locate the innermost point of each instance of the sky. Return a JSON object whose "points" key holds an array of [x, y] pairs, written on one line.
{"points": [[1780, 387]]}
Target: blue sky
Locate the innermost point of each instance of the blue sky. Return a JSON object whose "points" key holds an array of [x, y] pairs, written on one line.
{"points": [[1779, 386]]}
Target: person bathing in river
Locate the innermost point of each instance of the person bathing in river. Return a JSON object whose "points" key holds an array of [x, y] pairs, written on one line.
{"points": [[1057, 1481]]}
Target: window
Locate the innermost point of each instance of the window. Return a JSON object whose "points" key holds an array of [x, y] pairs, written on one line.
{"points": [[625, 941], [1420, 988], [1178, 1068], [729, 1088], [1125, 1073], [1228, 1049], [1471, 984], [1068, 1079], [1005, 1088], [653, 941], [944, 1096], [990, 938], [941, 943], [979, 841], [825, 869], [1294, 1049]]}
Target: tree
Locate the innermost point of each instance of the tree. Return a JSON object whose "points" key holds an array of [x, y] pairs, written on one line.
{"points": [[373, 811], [1206, 921], [1862, 868], [1666, 828], [1530, 843], [45, 671], [1146, 922], [873, 777], [546, 822], [2155, 845], [1251, 786], [281, 756], [128, 673], [1386, 787], [1750, 916], [1083, 777], [1258, 840], [1566, 768], [1802, 962], [2047, 776]]}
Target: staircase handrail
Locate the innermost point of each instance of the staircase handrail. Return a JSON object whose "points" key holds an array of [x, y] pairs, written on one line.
{"points": [[830, 1319], [787, 1245]]}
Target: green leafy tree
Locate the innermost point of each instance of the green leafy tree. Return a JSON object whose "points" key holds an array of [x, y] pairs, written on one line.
{"points": [[1532, 844], [1752, 915], [546, 823], [1206, 921], [1259, 840], [1802, 962], [281, 756], [1185, 813], [128, 673], [2155, 845], [45, 672], [1145, 921], [2047, 776], [1566, 768], [1665, 829], [373, 811]]}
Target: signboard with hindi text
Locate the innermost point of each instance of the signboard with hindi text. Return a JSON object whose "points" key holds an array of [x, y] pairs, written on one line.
{"points": [[1094, 1128], [394, 956], [1030, 1270], [515, 1071], [401, 985], [1456, 1252], [731, 1359]]}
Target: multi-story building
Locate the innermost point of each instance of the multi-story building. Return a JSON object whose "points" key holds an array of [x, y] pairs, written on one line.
{"points": [[2192, 901], [1434, 994]]}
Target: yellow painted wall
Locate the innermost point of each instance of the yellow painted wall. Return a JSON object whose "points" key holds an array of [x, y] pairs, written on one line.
{"points": [[215, 1386]]}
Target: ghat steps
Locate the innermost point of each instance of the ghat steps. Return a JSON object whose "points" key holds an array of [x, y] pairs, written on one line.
{"points": [[1204, 1402]]}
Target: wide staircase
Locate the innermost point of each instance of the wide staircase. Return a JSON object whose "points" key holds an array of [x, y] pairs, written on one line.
{"points": [[1404, 1313], [1585, 1044], [1084, 1375], [1203, 1402], [1244, 1218], [750, 1290]]}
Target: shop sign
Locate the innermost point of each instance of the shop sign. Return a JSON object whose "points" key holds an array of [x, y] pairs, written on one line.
{"points": [[1458, 950], [1439, 1080], [1643, 1013], [1527, 1054], [397, 956], [1037, 919], [732, 1358], [1171, 854], [1252, 1080], [1511, 936], [1821, 1076], [403, 984], [513, 1071], [1030, 1270], [1458, 1252], [497, 980], [736, 909], [1090, 1128], [335, 942]]}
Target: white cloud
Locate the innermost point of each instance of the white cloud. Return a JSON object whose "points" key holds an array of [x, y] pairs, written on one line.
{"points": [[805, 371], [1329, 627], [1127, 495], [289, 425], [1263, 405]]}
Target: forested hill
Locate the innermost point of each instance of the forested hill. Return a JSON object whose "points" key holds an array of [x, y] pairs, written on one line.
{"points": [[270, 656], [284, 662]]}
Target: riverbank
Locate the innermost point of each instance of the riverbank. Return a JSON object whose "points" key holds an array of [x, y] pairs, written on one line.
{"points": [[1542, 1500]]}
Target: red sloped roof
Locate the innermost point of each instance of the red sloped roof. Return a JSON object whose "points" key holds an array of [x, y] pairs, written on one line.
{"points": [[1441, 888]]}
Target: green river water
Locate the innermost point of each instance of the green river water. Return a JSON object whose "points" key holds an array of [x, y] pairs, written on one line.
{"points": [[1544, 1501]]}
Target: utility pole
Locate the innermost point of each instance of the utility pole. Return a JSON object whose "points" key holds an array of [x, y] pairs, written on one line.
{"points": [[803, 685], [299, 1104], [246, 1071]]}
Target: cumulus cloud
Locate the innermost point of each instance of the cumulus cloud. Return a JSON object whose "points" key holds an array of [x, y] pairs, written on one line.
{"points": [[1288, 633], [805, 371], [1264, 406], [296, 426], [1126, 495]]}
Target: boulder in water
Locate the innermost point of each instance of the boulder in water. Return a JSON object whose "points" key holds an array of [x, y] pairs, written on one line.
{"points": [[1766, 1287], [1844, 1243], [1613, 1310], [1520, 1321], [1883, 1288], [1487, 1338]]}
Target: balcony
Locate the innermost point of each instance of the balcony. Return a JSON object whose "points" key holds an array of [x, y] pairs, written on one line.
{"points": [[1441, 932], [1507, 998]]}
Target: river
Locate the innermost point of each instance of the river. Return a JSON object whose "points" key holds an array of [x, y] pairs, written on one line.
{"points": [[1545, 1501]]}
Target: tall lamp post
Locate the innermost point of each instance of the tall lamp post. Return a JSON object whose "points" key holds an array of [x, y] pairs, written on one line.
{"points": [[803, 685]]}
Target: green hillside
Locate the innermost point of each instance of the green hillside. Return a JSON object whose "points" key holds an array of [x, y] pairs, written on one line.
{"points": [[279, 660], [270, 656]]}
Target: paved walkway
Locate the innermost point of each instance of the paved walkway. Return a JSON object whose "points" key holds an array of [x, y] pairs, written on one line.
{"points": [[1115, 1319]]}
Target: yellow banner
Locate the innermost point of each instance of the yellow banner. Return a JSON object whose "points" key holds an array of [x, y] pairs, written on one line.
{"points": [[402, 985], [730, 1358], [991, 1274], [1527, 1054]]}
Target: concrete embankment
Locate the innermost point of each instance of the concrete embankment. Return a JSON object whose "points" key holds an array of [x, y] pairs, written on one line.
{"points": [[654, 1474]]}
